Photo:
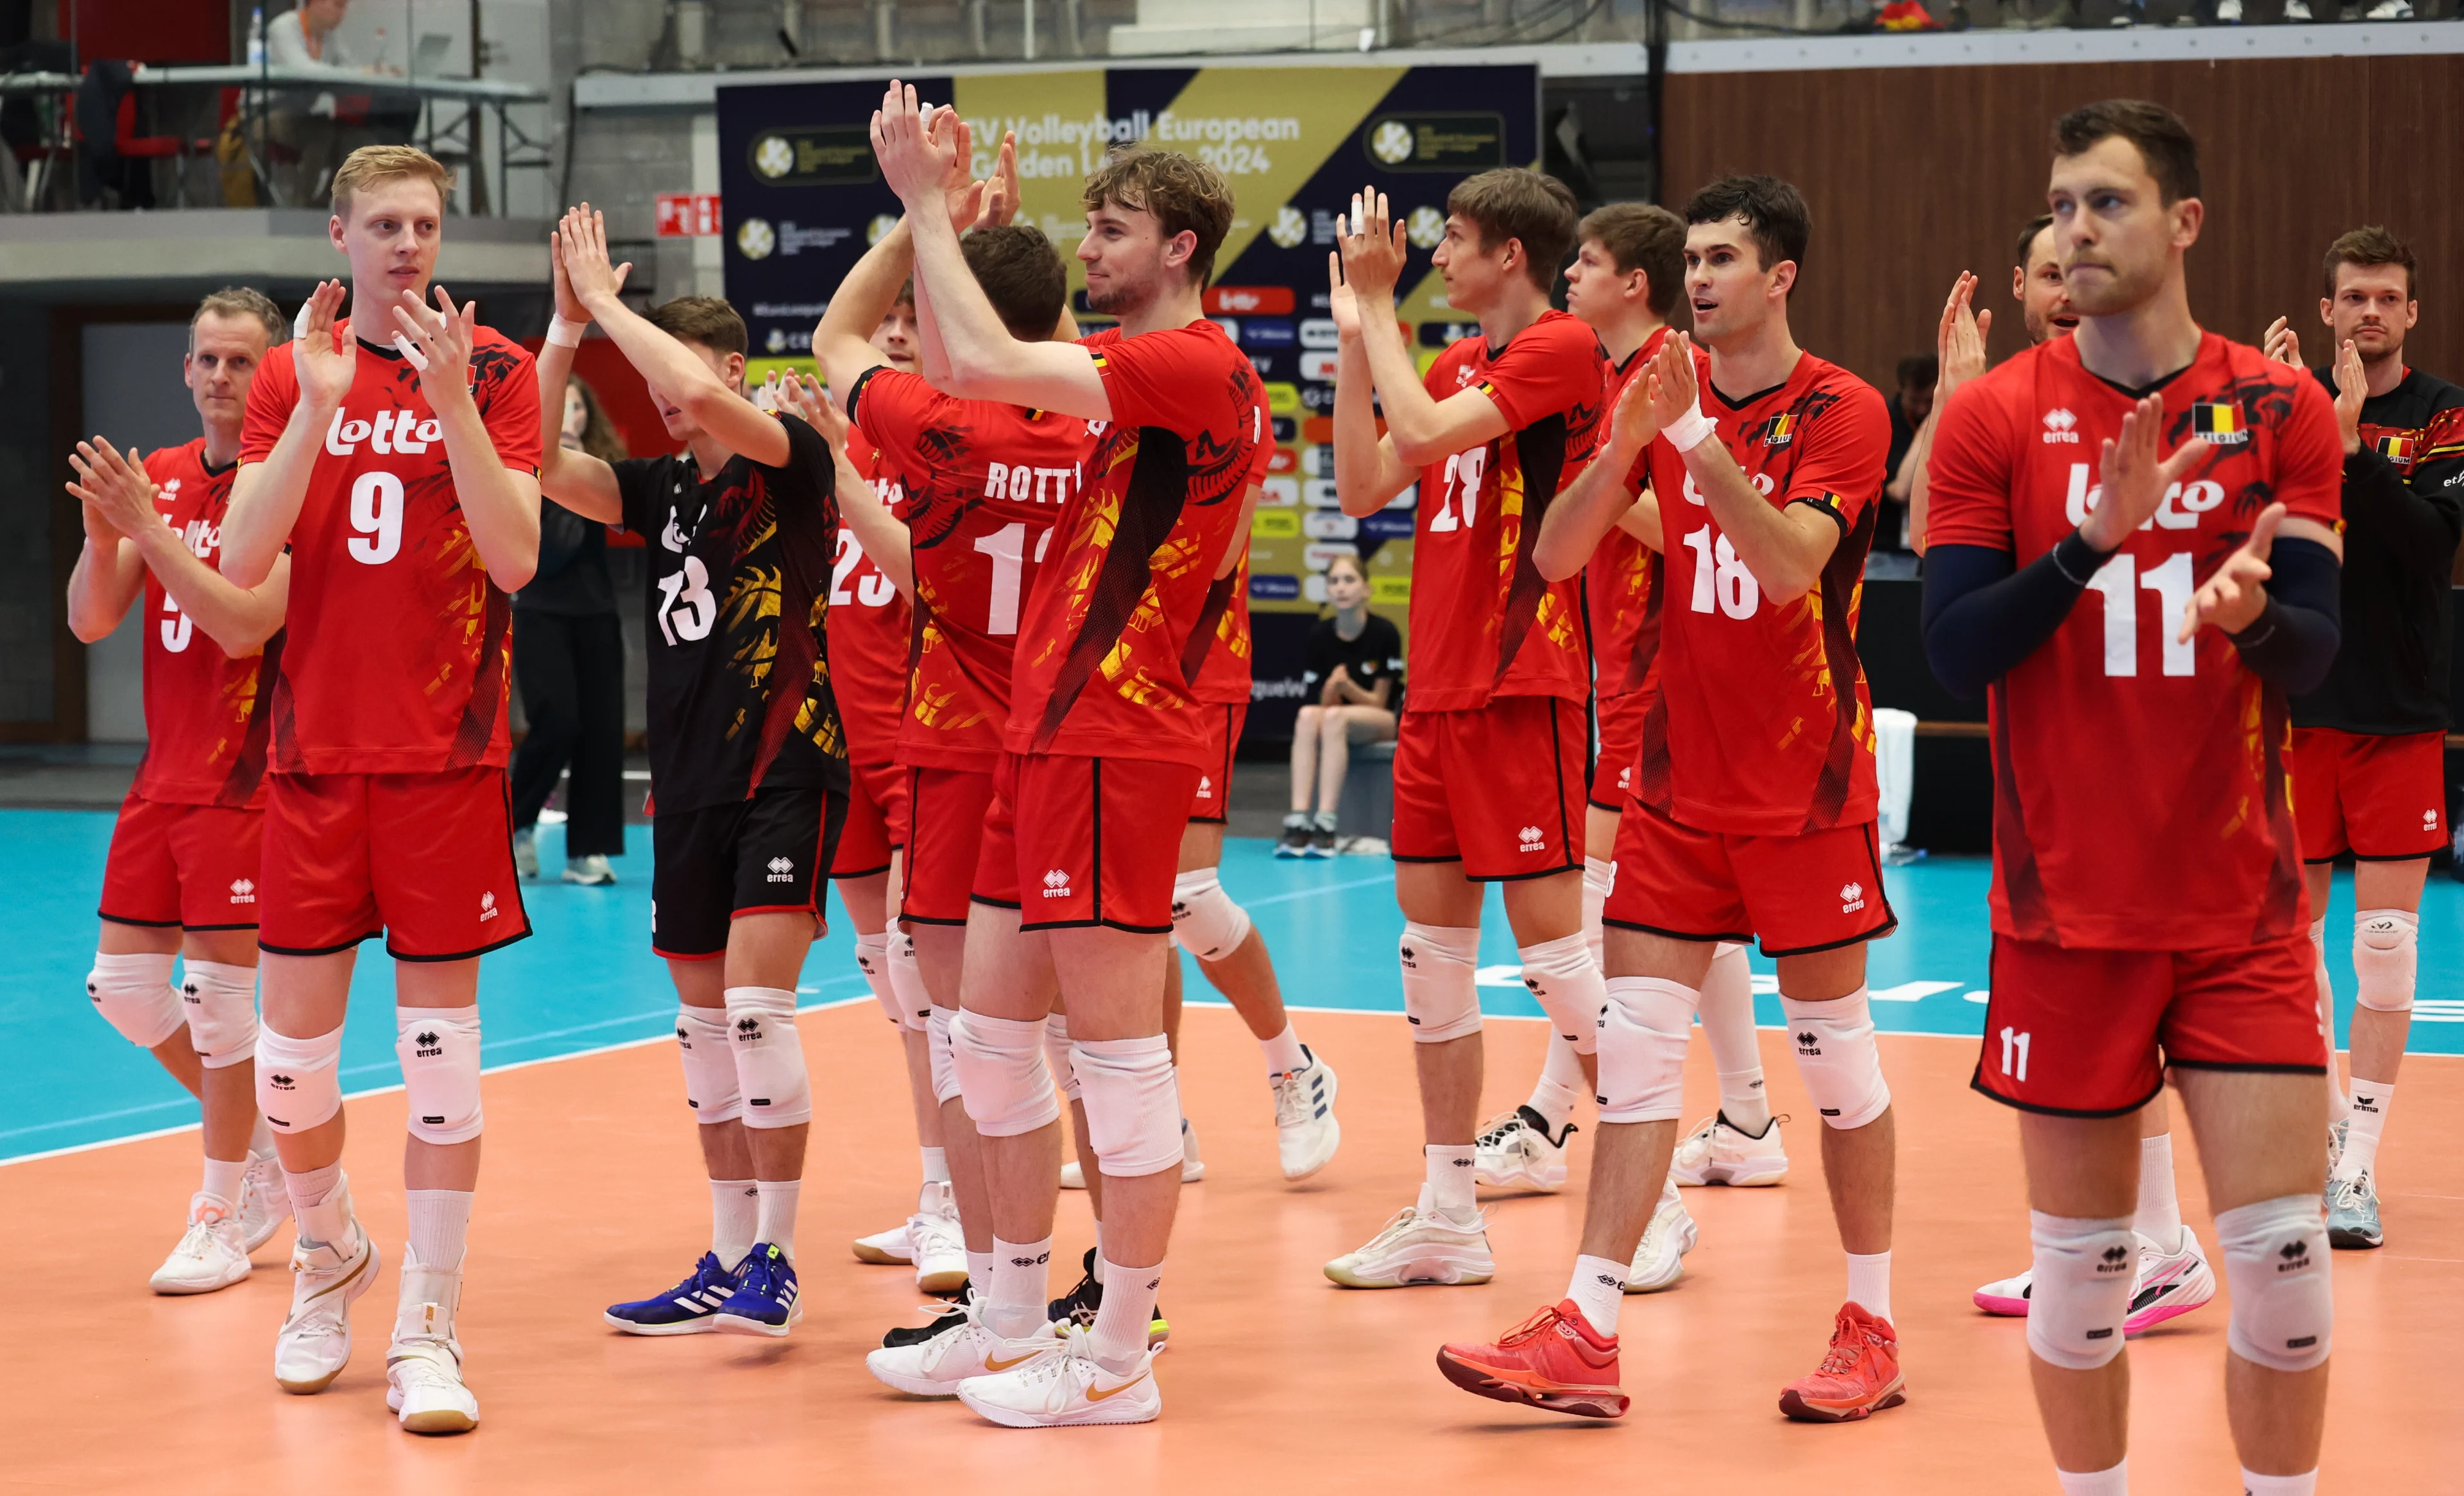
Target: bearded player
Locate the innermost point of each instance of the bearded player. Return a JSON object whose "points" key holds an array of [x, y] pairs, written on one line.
{"points": [[395, 454], [2147, 904]]}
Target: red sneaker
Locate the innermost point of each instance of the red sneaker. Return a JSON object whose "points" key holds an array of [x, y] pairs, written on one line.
{"points": [[1554, 1361], [1859, 1378]]}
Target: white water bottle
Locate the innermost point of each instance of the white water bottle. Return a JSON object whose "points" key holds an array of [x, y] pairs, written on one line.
{"points": [[256, 37]]}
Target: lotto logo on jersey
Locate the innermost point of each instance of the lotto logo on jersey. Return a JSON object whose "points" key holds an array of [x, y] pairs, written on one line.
{"points": [[1852, 897], [1056, 884], [243, 892], [1779, 431], [1533, 839], [389, 432], [2219, 422], [2060, 429], [783, 869]]}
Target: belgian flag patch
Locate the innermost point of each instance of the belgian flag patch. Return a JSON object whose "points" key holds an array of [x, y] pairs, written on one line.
{"points": [[2219, 422], [1779, 431], [2397, 447]]}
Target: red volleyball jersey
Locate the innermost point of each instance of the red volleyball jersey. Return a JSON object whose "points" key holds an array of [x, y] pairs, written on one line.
{"points": [[1117, 626], [1760, 723], [1484, 621], [870, 627], [980, 486], [400, 645], [1223, 675], [2140, 782], [207, 723], [1617, 580]]}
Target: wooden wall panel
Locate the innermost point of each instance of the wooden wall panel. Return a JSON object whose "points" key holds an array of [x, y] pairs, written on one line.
{"points": [[1915, 174]]}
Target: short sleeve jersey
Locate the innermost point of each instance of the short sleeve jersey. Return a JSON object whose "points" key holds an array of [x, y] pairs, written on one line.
{"points": [[870, 627], [982, 487], [1761, 724], [1485, 622], [1223, 675], [207, 726], [738, 578], [400, 642], [2140, 782], [1617, 580], [1117, 625]]}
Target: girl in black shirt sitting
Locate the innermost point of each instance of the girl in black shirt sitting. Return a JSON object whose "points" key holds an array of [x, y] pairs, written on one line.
{"points": [[1356, 674]]}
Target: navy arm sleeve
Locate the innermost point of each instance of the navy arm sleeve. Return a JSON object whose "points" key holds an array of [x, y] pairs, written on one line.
{"points": [[2292, 642], [1983, 615]]}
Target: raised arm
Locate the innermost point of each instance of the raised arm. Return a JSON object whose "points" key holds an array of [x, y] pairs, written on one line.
{"points": [[265, 495], [842, 338], [501, 505], [575, 481], [1601, 497], [1367, 472], [107, 580], [1422, 428], [1784, 548], [1959, 343], [116, 488]]}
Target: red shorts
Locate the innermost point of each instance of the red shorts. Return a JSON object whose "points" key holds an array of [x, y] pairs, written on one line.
{"points": [[1213, 799], [1072, 842], [1798, 893], [946, 810], [876, 820], [189, 865], [2087, 1032], [426, 858], [2377, 797], [1499, 789], [1620, 750]]}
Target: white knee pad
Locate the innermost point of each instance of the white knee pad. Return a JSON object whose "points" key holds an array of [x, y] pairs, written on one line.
{"points": [[1056, 1054], [133, 994], [2080, 1288], [907, 982], [710, 1088], [1440, 998], [936, 1044], [297, 1087], [1132, 1104], [1643, 1028], [1204, 919], [221, 999], [439, 1048], [873, 958], [769, 1056], [2386, 950], [1002, 1076], [1835, 1056], [2276, 1264], [1566, 981]]}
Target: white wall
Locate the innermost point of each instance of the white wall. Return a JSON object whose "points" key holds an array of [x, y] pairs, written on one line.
{"points": [[132, 395]]}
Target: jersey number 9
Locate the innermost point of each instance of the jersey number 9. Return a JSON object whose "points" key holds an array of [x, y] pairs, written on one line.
{"points": [[376, 512]]}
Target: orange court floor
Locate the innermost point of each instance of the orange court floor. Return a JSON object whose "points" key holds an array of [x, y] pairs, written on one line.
{"points": [[1276, 1379]]}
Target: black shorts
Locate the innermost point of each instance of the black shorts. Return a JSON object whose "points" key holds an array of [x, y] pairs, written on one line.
{"points": [[766, 855]]}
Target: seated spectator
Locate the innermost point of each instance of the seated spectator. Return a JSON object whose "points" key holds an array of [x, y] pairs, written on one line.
{"points": [[328, 128], [1355, 671]]}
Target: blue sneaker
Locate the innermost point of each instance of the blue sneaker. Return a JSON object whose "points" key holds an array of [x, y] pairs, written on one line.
{"points": [[765, 1302], [685, 1310]]}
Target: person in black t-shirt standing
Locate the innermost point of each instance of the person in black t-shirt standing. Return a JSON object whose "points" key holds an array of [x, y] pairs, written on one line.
{"points": [[2368, 746], [1355, 669], [748, 762]]}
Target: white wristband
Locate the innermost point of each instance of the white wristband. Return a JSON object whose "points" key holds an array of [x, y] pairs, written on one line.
{"points": [[1690, 430], [564, 334]]}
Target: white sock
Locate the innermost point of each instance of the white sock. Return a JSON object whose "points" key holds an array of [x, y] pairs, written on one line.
{"points": [[1599, 1290], [1449, 1189], [1284, 1053], [440, 1223], [2254, 1484], [1598, 877], [1099, 1238], [1869, 1283], [2371, 1100], [735, 1216], [776, 1215], [936, 1165], [2338, 1105], [260, 1138], [323, 1209], [2115, 1482], [226, 1180], [979, 1273], [2159, 1216], [1120, 1334], [1726, 1014], [1560, 1086], [1014, 1308]]}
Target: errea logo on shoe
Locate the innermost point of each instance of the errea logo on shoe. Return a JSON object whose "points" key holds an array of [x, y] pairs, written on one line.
{"points": [[1056, 884], [1533, 840], [783, 869], [1852, 897]]}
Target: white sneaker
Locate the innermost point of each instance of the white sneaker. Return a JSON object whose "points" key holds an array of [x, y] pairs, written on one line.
{"points": [[1192, 1167], [2297, 10], [2229, 12], [938, 1248], [1065, 1390], [2170, 1283], [211, 1254], [526, 853], [1307, 1133], [1411, 1248], [1074, 1178], [934, 1368], [590, 871], [2390, 11], [315, 1342], [893, 1245], [265, 1202], [1719, 1152], [1659, 1257], [424, 1364], [1515, 1153]]}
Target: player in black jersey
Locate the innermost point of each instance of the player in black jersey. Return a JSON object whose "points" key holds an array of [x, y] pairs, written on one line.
{"points": [[2369, 745], [748, 763]]}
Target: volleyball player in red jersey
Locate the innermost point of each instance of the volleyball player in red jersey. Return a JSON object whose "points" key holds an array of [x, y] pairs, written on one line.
{"points": [[181, 878], [1105, 742], [2147, 904], [396, 455], [1490, 753]]}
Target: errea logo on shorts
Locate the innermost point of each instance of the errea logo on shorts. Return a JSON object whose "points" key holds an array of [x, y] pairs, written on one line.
{"points": [[1056, 884], [783, 869], [243, 892], [1852, 897], [2429, 819], [1533, 840], [2059, 429], [487, 907], [1206, 787]]}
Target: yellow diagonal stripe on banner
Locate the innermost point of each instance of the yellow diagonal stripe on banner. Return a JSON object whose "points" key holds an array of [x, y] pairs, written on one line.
{"points": [[1059, 120], [1268, 130]]}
